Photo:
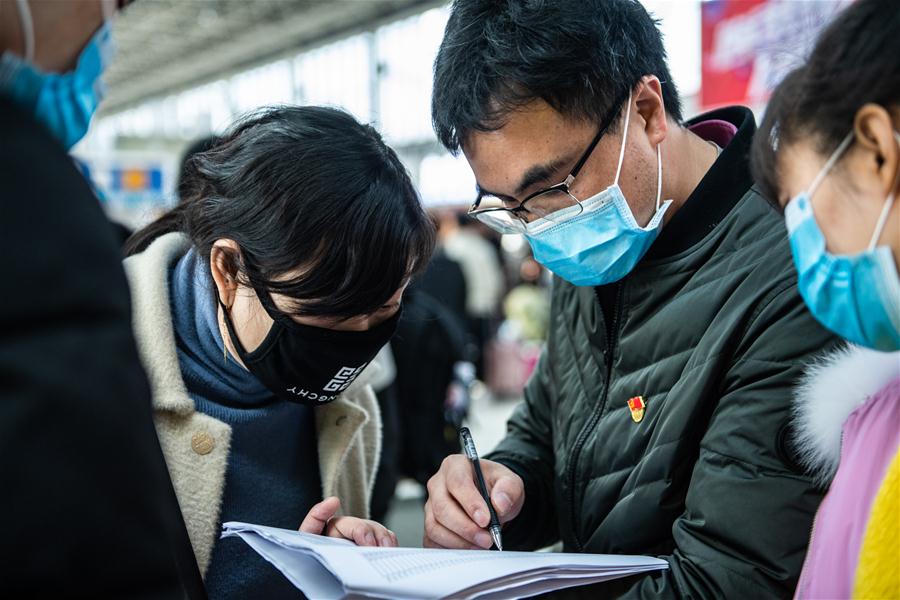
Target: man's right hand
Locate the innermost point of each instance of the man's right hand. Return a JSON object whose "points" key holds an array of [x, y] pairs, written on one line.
{"points": [[456, 516]]}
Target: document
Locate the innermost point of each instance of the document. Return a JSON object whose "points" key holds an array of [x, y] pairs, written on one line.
{"points": [[328, 568]]}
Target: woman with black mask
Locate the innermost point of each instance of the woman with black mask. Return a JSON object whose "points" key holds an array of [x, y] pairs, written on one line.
{"points": [[259, 304]]}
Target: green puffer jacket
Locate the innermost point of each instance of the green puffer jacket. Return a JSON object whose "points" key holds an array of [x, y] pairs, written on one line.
{"points": [[710, 330]]}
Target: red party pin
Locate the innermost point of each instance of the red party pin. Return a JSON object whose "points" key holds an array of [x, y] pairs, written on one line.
{"points": [[637, 407]]}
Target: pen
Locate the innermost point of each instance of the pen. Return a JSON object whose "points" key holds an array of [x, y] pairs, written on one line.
{"points": [[469, 447]]}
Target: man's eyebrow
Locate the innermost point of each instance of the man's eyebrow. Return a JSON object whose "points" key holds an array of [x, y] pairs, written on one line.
{"points": [[542, 173], [536, 174]]}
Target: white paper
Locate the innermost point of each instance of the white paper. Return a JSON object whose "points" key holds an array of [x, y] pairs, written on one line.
{"points": [[329, 568]]}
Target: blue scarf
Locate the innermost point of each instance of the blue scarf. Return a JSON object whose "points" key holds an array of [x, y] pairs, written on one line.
{"points": [[272, 477]]}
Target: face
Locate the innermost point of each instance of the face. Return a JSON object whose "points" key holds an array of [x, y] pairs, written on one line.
{"points": [[251, 321], [61, 29], [850, 199], [538, 147]]}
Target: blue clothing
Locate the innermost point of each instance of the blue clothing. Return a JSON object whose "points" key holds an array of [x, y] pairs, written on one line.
{"points": [[272, 477]]}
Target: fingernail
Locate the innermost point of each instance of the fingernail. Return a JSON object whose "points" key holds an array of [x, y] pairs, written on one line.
{"points": [[484, 540], [386, 542], [479, 517], [502, 502], [370, 539]]}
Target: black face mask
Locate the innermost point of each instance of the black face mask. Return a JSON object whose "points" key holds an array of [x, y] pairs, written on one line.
{"points": [[306, 364]]}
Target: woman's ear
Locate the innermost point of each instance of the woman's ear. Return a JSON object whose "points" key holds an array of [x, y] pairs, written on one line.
{"points": [[223, 259], [876, 135]]}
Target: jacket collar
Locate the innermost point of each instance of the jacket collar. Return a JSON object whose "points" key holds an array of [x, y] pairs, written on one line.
{"points": [[148, 275], [830, 389], [723, 186]]}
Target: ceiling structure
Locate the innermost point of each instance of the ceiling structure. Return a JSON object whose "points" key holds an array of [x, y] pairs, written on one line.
{"points": [[168, 45]]}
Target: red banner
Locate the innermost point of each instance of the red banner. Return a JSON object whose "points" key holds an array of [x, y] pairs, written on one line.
{"points": [[748, 46]]}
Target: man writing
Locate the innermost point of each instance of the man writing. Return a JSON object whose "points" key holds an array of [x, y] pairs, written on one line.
{"points": [[656, 422]]}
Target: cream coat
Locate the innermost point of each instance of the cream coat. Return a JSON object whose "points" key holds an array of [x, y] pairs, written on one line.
{"points": [[196, 446]]}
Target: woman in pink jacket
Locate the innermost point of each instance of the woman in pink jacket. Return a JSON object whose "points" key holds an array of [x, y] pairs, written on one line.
{"points": [[828, 152]]}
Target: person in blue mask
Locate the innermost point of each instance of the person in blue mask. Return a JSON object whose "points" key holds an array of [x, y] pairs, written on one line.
{"points": [[828, 156], [90, 506], [62, 102], [658, 418]]}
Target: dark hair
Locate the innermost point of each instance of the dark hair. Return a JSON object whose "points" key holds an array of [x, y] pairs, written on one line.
{"points": [[856, 60], [580, 56], [305, 187], [198, 146]]}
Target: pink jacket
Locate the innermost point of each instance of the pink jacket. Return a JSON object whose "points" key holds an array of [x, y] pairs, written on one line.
{"points": [[848, 430]]}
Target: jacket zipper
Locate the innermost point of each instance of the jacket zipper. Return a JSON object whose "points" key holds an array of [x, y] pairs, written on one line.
{"points": [[595, 414]]}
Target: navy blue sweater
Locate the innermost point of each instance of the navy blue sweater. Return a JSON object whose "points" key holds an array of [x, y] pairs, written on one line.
{"points": [[272, 476]]}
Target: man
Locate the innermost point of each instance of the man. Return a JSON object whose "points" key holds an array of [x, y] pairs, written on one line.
{"points": [[657, 420], [87, 503]]}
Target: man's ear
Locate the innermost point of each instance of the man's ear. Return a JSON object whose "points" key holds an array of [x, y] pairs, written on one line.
{"points": [[877, 137], [651, 108], [224, 256]]}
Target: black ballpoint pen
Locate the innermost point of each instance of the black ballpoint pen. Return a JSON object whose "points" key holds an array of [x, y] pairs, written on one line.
{"points": [[469, 448]]}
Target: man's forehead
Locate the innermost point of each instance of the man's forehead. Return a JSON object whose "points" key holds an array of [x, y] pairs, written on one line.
{"points": [[531, 137], [536, 122]]}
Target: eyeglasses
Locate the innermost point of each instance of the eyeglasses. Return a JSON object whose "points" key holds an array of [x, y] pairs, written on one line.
{"points": [[552, 203]]}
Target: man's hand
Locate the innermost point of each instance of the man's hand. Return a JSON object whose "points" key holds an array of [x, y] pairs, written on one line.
{"points": [[456, 516], [321, 521]]}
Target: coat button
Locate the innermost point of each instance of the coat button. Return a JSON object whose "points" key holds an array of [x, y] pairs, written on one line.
{"points": [[202, 443]]}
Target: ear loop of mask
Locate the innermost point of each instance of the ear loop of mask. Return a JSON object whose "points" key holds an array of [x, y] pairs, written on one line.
{"points": [[885, 211], [27, 24], [838, 152], [658, 174], [622, 156], [882, 221], [624, 139], [835, 156]]}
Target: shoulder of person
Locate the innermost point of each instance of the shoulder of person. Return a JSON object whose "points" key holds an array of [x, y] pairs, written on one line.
{"points": [[763, 234], [759, 241]]}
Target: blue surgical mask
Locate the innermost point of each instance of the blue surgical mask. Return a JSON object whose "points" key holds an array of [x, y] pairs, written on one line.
{"points": [[64, 103], [857, 297], [600, 241]]}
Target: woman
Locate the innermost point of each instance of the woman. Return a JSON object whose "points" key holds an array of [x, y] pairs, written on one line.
{"points": [[258, 304], [829, 152]]}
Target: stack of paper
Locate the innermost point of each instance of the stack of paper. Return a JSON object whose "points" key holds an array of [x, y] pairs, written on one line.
{"points": [[325, 568]]}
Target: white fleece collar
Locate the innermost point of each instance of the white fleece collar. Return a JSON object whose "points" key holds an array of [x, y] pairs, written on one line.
{"points": [[831, 389]]}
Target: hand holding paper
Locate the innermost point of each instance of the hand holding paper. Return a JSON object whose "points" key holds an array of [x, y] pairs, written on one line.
{"points": [[321, 520]]}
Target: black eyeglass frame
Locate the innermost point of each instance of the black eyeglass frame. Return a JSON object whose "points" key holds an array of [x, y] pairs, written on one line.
{"points": [[563, 186]]}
